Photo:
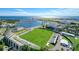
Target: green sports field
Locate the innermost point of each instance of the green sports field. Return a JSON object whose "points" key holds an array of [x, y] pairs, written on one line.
{"points": [[38, 36]]}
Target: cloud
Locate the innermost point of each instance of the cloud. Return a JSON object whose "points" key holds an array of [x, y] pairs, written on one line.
{"points": [[54, 12], [23, 12], [51, 12], [66, 12]]}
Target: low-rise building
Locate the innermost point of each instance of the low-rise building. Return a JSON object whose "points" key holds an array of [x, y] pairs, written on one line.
{"points": [[65, 33], [6, 25]]}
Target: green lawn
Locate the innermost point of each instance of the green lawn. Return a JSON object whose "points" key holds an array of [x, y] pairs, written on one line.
{"points": [[1, 47], [75, 42], [2, 30], [50, 46], [38, 36]]}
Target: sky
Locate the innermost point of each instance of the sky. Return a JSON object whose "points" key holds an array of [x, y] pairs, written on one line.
{"points": [[39, 11]]}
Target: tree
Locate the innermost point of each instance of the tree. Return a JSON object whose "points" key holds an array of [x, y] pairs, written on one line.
{"points": [[24, 47], [28, 48], [0, 23], [1, 47]]}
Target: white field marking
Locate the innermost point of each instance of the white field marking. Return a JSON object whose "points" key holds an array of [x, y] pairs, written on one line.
{"points": [[23, 41]]}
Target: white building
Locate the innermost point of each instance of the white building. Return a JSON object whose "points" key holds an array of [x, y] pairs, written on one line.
{"points": [[65, 33], [53, 39], [65, 43], [11, 41], [5, 25], [19, 28]]}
